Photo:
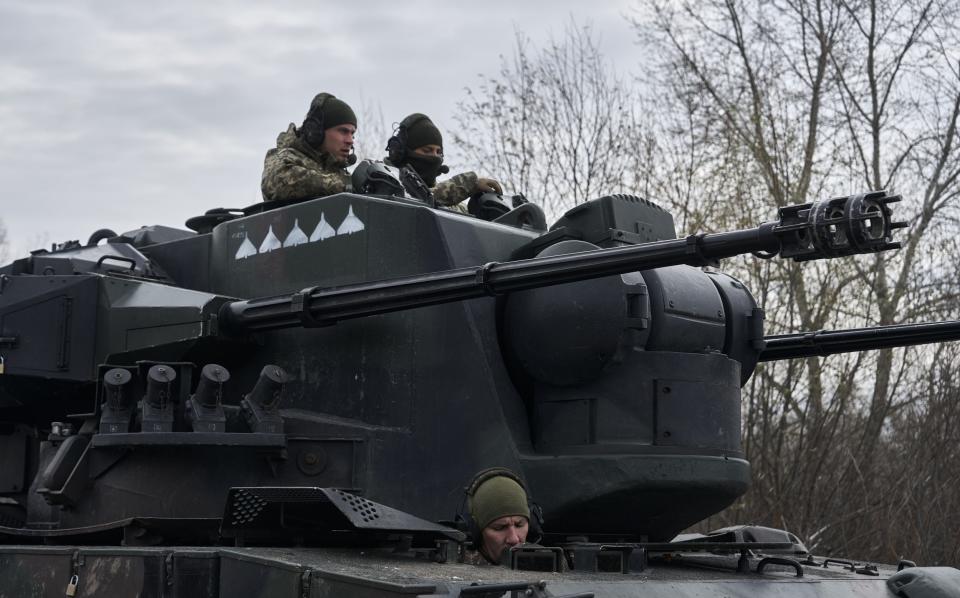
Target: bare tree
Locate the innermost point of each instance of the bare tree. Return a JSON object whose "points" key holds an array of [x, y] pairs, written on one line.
{"points": [[820, 96], [373, 131], [557, 125], [900, 106], [745, 107]]}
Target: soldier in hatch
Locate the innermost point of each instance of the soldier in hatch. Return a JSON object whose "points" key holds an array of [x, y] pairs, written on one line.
{"points": [[498, 516], [311, 161], [417, 143]]}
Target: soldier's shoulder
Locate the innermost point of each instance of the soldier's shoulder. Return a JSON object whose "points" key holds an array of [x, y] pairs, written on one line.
{"points": [[469, 556], [288, 137], [289, 156]]}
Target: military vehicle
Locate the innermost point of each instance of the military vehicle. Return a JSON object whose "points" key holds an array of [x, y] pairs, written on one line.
{"points": [[288, 400]]}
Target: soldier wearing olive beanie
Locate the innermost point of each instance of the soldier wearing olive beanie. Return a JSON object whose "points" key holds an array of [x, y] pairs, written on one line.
{"points": [[310, 161], [499, 508], [498, 497], [329, 111]]}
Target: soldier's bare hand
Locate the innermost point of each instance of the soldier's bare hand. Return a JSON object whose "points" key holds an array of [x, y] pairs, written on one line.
{"points": [[488, 186]]}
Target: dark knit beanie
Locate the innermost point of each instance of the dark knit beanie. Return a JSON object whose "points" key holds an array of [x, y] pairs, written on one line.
{"points": [[498, 497], [331, 111], [421, 131]]}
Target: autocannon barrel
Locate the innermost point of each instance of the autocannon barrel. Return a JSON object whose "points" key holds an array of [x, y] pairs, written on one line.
{"points": [[824, 229], [828, 342]]}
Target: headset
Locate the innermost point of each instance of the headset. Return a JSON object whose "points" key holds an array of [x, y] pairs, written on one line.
{"points": [[312, 130], [397, 151], [468, 525]]}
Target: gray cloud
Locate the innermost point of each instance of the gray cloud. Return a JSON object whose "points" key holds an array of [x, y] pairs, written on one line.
{"points": [[123, 114]]}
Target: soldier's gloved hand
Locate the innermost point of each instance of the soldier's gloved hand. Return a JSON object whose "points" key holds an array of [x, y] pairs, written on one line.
{"points": [[488, 186]]}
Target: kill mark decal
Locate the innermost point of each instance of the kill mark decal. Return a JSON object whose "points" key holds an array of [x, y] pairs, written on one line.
{"points": [[324, 230], [246, 248], [296, 236], [351, 224], [270, 242]]}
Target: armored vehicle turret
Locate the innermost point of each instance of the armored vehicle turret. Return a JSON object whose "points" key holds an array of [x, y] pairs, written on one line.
{"points": [[333, 371]]}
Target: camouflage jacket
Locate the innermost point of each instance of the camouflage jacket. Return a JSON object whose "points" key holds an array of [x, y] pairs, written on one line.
{"points": [[294, 170], [455, 189], [469, 556], [449, 193]]}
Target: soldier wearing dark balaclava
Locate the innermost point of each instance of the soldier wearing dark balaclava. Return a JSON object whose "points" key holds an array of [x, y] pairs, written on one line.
{"points": [[417, 143]]}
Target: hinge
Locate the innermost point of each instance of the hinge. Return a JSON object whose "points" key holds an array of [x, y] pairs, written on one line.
{"points": [[168, 569], [306, 579]]}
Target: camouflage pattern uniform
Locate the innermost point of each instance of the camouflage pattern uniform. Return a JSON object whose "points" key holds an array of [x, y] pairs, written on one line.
{"points": [[294, 170], [470, 556], [450, 193], [455, 189]]}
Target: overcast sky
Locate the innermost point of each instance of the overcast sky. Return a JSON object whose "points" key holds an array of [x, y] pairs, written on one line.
{"points": [[122, 114]]}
